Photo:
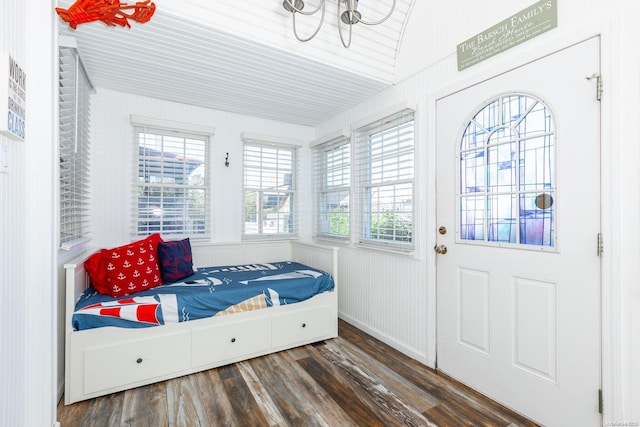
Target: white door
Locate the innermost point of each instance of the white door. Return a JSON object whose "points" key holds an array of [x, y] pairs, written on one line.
{"points": [[518, 210]]}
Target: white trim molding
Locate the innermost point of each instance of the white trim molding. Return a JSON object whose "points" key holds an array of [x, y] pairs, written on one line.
{"points": [[143, 121], [269, 139], [342, 133]]}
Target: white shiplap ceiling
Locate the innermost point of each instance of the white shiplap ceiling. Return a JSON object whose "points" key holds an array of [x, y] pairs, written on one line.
{"points": [[242, 57]]}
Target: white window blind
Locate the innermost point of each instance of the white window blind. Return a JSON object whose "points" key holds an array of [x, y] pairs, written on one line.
{"points": [[74, 121], [385, 164], [332, 177], [269, 202], [172, 183]]}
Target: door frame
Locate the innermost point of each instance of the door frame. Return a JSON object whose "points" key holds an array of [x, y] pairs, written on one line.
{"points": [[615, 369]]}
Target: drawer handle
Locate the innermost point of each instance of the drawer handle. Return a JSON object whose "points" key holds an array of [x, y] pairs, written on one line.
{"points": [[304, 325], [139, 360], [233, 340]]}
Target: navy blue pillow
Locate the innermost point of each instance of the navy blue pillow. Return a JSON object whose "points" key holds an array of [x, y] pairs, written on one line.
{"points": [[176, 262]]}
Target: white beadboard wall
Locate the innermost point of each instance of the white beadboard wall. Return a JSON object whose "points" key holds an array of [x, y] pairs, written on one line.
{"points": [[40, 214], [12, 242], [386, 294], [112, 163], [27, 224]]}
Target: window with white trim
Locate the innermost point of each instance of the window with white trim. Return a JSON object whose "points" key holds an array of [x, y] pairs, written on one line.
{"points": [[172, 182], [74, 121], [385, 158], [332, 176], [269, 194]]}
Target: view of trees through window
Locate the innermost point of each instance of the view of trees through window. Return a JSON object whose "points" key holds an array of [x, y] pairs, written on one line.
{"points": [[386, 177], [384, 167], [333, 181]]}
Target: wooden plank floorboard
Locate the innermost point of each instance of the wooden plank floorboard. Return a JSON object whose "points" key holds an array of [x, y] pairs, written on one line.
{"points": [[385, 398], [324, 405], [300, 352], [184, 403], [291, 401], [477, 407], [465, 398], [104, 411], [156, 413], [215, 401], [260, 394], [277, 390], [74, 414], [353, 380], [405, 390], [136, 407], [245, 408], [444, 416], [353, 401]]}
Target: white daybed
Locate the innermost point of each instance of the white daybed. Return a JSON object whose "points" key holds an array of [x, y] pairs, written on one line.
{"points": [[107, 360]]}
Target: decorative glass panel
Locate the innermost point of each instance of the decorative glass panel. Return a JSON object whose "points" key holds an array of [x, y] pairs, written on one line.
{"points": [[472, 173], [472, 221], [506, 175], [536, 219], [501, 167], [502, 218], [536, 163]]}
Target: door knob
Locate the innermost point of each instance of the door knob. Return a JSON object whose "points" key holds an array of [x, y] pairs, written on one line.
{"points": [[440, 249]]}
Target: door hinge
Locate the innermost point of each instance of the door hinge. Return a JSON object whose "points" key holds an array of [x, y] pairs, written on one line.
{"points": [[598, 78], [600, 402], [600, 245]]}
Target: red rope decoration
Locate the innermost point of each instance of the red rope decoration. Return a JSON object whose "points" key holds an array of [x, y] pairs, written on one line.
{"points": [[111, 12]]}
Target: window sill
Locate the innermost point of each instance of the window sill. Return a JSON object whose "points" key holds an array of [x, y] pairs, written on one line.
{"points": [[74, 244], [331, 240], [389, 249], [270, 237]]}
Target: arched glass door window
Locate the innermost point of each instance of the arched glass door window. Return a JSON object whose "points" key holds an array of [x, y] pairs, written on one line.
{"points": [[507, 189]]}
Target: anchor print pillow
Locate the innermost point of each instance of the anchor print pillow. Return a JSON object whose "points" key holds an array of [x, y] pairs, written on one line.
{"points": [[134, 267]]}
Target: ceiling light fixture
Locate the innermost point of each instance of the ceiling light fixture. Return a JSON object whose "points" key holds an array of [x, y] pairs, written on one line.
{"points": [[350, 16]]}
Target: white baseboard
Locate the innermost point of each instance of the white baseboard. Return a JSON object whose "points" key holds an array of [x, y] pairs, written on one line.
{"points": [[412, 353]]}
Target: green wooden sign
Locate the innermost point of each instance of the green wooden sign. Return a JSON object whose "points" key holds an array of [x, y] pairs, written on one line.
{"points": [[524, 25]]}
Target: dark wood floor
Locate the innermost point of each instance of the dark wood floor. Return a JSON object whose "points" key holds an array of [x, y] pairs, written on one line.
{"points": [[353, 380]]}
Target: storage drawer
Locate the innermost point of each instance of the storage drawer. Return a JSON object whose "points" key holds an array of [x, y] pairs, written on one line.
{"points": [[127, 363], [215, 344], [302, 326]]}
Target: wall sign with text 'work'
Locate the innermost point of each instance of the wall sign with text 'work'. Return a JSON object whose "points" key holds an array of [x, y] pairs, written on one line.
{"points": [[13, 95]]}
